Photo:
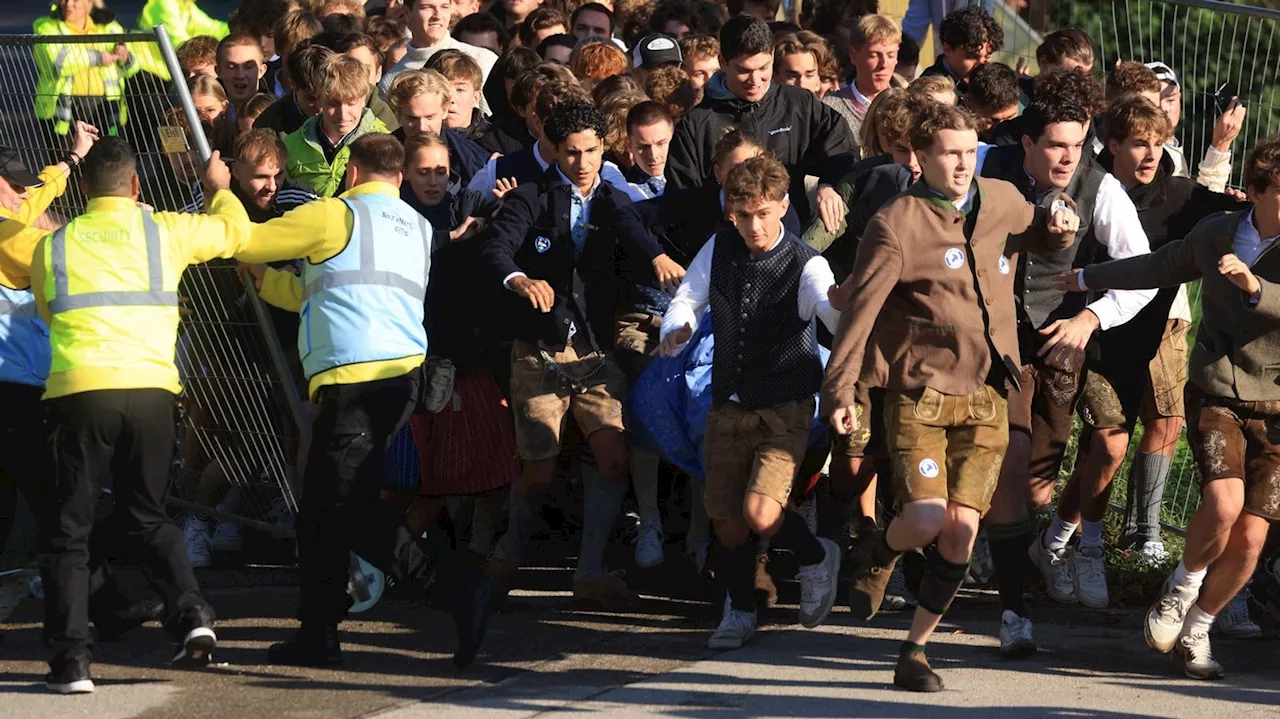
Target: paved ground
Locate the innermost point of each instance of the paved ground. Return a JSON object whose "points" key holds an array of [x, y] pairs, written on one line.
{"points": [[547, 656]]}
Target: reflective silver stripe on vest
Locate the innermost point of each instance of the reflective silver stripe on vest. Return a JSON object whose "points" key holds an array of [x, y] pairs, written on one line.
{"points": [[156, 295], [7, 305], [367, 275]]}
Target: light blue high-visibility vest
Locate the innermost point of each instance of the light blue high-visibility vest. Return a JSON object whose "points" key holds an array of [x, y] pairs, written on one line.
{"points": [[365, 304], [25, 353]]}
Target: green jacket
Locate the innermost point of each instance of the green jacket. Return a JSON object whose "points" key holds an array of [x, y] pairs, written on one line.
{"points": [[182, 19], [76, 68], [306, 164]]}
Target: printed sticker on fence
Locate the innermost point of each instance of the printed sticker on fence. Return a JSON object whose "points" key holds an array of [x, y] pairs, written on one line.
{"points": [[173, 138]]}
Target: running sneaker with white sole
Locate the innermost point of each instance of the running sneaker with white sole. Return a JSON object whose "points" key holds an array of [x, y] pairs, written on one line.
{"points": [[1055, 567], [736, 628], [1193, 655], [1089, 570], [71, 677], [1165, 618], [226, 537], [1016, 640], [1234, 621], [196, 649], [199, 544], [818, 584], [649, 546]]}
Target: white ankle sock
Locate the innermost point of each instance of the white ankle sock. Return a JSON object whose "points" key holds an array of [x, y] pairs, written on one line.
{"points": [[1198, 621], [1186, 582], [1090, 534], [1058, 533]]}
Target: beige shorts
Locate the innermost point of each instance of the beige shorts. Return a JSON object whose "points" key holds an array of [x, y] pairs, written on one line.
{"points": [[753, 451], [1167, 381], [543, 393]]}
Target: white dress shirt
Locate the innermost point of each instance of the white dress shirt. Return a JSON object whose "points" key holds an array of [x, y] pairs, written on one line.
{"points": [[695, 292], [1116, 226]]}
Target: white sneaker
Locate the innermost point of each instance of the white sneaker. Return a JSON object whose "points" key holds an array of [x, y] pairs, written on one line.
{"points": [[1193, 655], [199, 545], [1055, 567], [1089, 568], [649, 546], [1235, 622], [1016, 641], [736, 628], [818, 584], [1153, 553], [226, 537], [1165, 618], [981, 567]]}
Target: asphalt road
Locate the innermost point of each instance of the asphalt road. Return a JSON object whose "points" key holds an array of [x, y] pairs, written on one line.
{"points": [[547, 656]]}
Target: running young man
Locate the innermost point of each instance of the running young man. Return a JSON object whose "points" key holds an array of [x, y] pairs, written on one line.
{"points": [[931, 311]]}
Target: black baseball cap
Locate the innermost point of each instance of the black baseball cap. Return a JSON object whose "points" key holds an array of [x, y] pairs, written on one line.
{"points": [[12, 169], [655, 51]]}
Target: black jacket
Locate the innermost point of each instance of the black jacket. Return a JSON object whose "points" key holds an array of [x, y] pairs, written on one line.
{"points": [[284, 116], [939, 67], [806, 135], [875, 188], [531, 234], [506, 136], [1168, 207]]}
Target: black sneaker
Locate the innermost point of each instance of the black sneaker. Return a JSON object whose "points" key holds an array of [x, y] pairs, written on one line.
{"points": [[195, 649], [114, 625], [69, 676], [308, 648], [914, 674]]}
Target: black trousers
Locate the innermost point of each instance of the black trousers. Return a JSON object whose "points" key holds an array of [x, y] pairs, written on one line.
{"points": [[131, 433], [27, 465], [342, 510]]}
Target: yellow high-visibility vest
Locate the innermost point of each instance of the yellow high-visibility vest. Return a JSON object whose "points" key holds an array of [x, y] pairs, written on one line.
{"points": [[113, 305]]}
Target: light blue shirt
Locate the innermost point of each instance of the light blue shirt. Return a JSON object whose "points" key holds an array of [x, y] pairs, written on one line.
{"points": [[1248, 245], [579, 211]]}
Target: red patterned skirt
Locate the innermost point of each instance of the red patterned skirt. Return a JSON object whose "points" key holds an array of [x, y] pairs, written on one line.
{"points": [[469, 447]]}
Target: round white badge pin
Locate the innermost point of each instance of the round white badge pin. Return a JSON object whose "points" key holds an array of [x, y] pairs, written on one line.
{"points": [[954, 258], [928, 468]]}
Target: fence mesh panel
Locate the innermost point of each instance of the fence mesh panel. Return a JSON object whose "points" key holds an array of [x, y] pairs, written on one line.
{"points": [[1212, 46], [240, 433]]}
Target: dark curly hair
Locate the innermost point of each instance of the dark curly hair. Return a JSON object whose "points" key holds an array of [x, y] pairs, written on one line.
{"points": [[992, 86], [1046, 111], [969, 28], [744, 36], [575, 115], [1074, 84]]}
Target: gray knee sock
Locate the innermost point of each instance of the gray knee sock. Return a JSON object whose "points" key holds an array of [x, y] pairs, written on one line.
{"points": [[521, 519], [603, 501], [1148, 476], [644, 477]]}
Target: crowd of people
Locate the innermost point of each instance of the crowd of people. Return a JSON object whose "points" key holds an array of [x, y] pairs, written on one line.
{"points": [[854, 312]]}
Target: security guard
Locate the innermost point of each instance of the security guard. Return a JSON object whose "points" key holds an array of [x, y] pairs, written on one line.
{"points": [[24, 365], [362, 345], [106, 284]]}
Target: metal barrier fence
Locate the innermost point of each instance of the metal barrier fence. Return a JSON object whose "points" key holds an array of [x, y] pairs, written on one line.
{"points": [[242, 416], [1215, 48]]}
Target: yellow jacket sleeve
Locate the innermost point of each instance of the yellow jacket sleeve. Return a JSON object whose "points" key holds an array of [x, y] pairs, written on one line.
{"points": [[16, 252], [200, 238], [282, 289], [39, 199], [317, 230]]}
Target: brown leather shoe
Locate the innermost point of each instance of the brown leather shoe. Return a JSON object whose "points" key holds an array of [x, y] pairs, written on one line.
{"points": [[914, 674], [607, 590], [766, 590], [867, 581]]}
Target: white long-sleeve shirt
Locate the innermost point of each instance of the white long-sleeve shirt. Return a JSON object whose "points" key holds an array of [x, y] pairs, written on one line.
{"points": [[695, 292], [416, 58], [1116, 226]]}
